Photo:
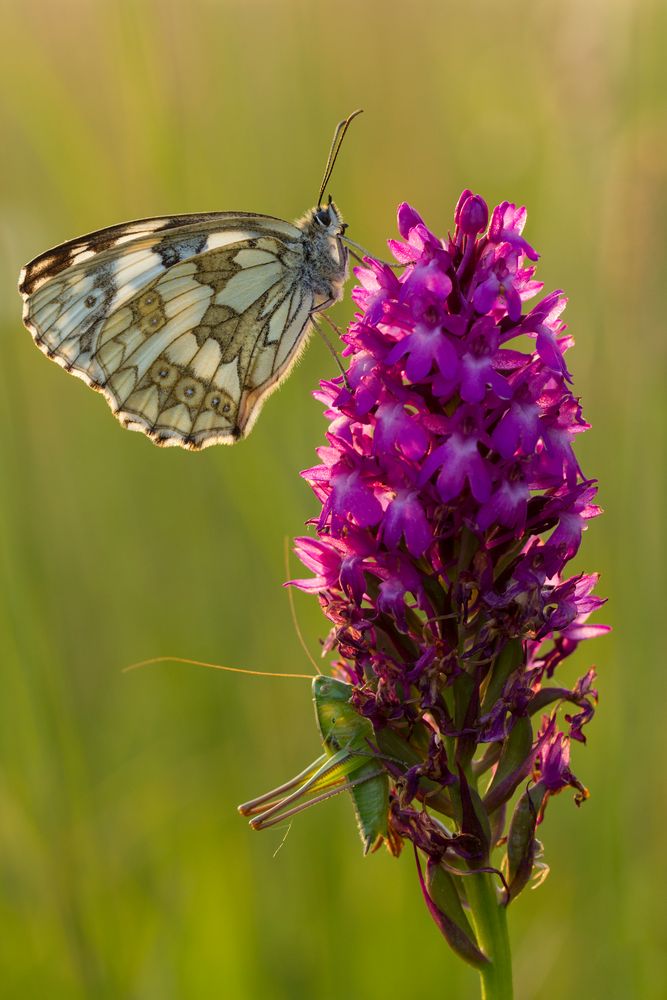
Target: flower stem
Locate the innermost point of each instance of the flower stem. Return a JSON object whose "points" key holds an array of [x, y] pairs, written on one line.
{"points": [[490, 920]]}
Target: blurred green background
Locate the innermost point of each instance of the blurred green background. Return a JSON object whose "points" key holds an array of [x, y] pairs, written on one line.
{"points": [[125, 870]]}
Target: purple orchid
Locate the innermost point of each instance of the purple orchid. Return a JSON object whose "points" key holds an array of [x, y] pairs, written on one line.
{"points": [[451, 502]]}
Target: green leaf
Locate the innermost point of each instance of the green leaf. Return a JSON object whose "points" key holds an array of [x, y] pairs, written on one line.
{"points": [[450, 916], [508, 660], [516, 761], [521, 839]]}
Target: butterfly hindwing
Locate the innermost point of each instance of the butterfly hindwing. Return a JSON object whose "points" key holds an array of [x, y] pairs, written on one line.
{"points": [[195, 351], [184, 324]]}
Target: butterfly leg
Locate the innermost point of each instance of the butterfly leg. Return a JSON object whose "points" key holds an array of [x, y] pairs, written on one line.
{"points": [[330, 347]]}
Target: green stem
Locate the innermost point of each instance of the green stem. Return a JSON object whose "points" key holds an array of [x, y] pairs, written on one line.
{"points": [[490, 920]]}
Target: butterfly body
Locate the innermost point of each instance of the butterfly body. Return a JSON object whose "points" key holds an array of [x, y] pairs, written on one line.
{"points": [[186, 323]]}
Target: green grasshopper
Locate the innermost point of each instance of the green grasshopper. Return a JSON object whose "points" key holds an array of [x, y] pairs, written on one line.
{"points": [[348, 764]]}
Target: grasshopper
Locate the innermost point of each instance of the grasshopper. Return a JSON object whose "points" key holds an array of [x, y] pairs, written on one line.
{"points": [[347, 764]]}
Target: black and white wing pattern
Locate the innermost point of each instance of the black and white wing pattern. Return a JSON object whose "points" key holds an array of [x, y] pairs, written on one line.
{"points": [[185, 324]]}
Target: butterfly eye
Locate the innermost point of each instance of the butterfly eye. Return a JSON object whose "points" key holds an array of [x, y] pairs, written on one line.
{"points": [[323, 216]]}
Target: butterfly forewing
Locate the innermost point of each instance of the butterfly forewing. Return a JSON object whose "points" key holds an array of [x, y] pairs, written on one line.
{"points": [[185, 324]]}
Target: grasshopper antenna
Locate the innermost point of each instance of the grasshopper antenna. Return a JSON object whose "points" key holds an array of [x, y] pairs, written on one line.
{"points": [[295, 620], [212, 666]]}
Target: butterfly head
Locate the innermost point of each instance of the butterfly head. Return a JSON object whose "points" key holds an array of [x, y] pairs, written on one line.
{"points": [[327, 220]]}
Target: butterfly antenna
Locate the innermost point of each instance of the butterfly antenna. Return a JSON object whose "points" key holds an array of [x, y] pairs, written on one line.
{"points": [[336, 143]]}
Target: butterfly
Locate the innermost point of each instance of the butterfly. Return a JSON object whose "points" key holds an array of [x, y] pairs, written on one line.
{"points": [[187, 323]]}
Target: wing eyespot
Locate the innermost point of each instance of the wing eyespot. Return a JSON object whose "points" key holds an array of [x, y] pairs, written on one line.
{"points": [[189, 391], [163, 375]]}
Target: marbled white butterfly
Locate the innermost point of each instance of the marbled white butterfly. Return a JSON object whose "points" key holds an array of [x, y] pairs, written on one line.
{"points": [[186, 323]]}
